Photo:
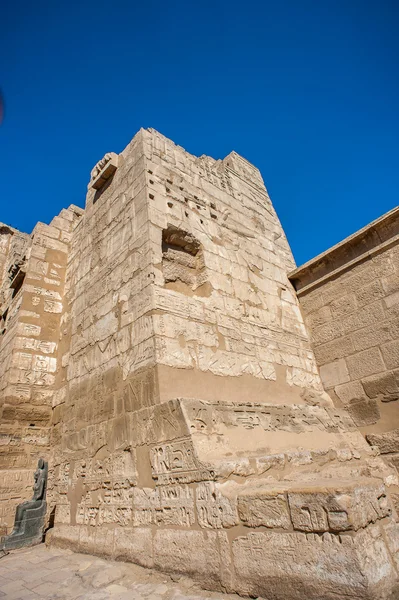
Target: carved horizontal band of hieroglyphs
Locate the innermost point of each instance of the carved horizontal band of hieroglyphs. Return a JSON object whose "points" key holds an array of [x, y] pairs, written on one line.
{"points": [[348, 508], [108, 492], [40, 291], [15, 479], [34, 362], [176, 462], [18, 375], [93, 515], [28, 330], [168, 505], [24, 391], [106, 503], [26, 435], [206, 417], [42, 346], [118, 466], [339, 510], [8, 439]]}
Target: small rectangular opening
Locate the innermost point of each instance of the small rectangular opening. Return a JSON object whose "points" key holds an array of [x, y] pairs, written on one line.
{"points": [[17, 282]]}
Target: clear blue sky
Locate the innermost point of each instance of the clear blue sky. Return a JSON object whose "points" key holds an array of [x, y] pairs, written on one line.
{"points": [[307, 90]]}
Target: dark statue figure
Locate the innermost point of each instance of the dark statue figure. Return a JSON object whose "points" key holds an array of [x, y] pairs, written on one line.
{"points": [[30, 515]]}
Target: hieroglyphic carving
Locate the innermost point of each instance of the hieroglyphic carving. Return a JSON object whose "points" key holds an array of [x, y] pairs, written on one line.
{"points": [[118, 467], [129, 343], [214, 510], [350, 507], [106, 502], [166, 505], [270, 417], [177, 462]]}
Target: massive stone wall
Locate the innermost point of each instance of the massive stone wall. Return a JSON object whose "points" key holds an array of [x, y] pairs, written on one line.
{"points": [[350, 300], [32, 282], [191, 420], [231, 314], [176, 286], [188, 417]]}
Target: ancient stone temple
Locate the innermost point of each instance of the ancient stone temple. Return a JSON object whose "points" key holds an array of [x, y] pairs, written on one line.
{"points": [[153, 351]]}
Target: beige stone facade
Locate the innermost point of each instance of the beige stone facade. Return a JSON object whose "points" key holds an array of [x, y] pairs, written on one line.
{"points": [[32, 280], [155, 352], [350, 300]]}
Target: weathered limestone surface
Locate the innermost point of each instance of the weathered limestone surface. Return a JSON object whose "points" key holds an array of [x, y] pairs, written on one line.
{"points": [[32, 271], [188, 418], [350, 300]]}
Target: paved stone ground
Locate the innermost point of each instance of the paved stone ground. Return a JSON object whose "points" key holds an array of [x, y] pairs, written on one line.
{"points": [[46, 573]]}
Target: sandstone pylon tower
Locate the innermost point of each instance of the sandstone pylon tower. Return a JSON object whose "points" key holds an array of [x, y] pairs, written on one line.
{"points": [[189, 430]]}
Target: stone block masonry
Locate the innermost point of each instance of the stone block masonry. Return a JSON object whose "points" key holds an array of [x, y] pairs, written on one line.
{"points": [[31, 299], [184, 411], [350, 299]]}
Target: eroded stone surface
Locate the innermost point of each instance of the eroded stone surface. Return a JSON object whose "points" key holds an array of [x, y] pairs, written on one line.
{"points": [[154, 351], [43, 573]]}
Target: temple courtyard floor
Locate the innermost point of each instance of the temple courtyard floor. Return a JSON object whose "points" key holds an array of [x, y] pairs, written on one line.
{"points": [[41, 572]]}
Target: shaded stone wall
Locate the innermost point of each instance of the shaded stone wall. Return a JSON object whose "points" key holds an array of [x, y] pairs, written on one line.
{"points": [[350, 301], [108, 368], [31, 305]]}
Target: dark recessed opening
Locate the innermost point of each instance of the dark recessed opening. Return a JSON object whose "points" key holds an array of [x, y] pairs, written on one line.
{"points": [[17, 282]]}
